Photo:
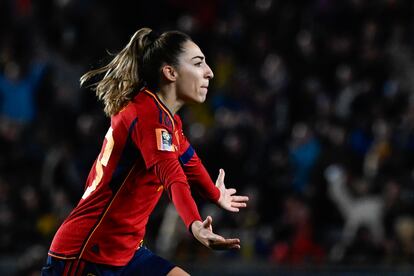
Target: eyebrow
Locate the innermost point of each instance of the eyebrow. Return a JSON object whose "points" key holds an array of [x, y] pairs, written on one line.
{"points": [[200, 57]]}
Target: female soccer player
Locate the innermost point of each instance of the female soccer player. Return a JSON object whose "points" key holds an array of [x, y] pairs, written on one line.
{"points": [[144, 152]]}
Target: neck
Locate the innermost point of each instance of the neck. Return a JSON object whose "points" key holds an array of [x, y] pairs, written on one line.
{"points": [[168, 97]]}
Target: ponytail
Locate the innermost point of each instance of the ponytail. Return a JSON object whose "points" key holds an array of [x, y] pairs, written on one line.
{"points": [[121, 79]]}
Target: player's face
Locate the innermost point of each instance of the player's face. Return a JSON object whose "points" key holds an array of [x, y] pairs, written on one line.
{"points": [[193, 74]]}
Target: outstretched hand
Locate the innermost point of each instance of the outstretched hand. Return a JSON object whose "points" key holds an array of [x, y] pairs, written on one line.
{"points": [[203, 232], [228, 200]]}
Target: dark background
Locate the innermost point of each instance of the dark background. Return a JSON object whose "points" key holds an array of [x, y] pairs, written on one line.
{"points": [[311, 114]]}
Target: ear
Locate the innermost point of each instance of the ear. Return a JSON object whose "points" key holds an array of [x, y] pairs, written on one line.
{"points": [[169, 72]]}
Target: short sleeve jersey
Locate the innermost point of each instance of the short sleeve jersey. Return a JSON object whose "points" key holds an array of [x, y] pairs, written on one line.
{"points": [[121, 191]]}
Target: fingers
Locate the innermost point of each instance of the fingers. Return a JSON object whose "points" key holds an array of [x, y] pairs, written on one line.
{"points": [[238, 204], [220, 178], [240, 198], [225, 244], [214, 238], [206, 236], [221, 174], [231, 191], [234, 206], [207, 222]]}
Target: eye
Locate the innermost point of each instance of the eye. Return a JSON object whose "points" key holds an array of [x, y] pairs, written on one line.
{"points": [[198, 64]]}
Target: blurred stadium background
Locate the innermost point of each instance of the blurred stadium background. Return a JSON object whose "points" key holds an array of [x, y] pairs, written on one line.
{"points": [[311, 113]]}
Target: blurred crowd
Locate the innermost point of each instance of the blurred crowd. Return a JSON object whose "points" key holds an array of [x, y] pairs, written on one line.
{"points": [[311, 114]]}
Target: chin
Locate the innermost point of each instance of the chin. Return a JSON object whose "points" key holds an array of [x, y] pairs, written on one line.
{"points": [[195, 100], [201, 99]]}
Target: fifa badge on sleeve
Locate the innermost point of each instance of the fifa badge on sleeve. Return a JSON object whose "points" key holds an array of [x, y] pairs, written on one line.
{"points": [[164, 140]]}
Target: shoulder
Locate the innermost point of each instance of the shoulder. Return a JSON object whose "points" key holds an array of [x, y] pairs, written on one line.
{"points": [[140, 106], [178, 120]]}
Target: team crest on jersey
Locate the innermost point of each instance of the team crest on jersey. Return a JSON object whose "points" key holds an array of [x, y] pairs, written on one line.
{"points": [[164, 140]]}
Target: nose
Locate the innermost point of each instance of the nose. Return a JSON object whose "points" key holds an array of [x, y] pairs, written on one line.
{"points": [[209, 73]]}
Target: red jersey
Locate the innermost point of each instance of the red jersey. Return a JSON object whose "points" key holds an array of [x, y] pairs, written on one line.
{"points": [[122, 188]]}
